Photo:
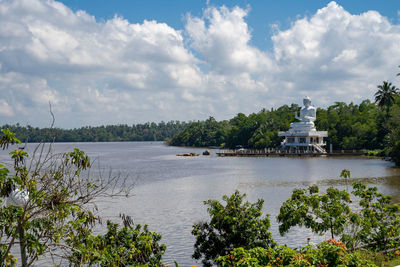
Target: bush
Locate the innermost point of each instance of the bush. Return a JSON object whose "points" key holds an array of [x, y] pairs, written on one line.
{"points": [[127, 246], [327, 253], [234, 225], [320, 212]]}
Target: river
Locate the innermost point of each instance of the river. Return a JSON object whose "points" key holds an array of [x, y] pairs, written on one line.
{"points": [[169, 190]]}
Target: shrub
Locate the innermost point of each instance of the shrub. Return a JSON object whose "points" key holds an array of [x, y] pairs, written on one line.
{"points": [[127, 246], [327, 253], [234, 225]]}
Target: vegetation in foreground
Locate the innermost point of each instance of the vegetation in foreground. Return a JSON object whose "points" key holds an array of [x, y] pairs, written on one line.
{"points": [[47, 208], [365, 236], [235, 225]]}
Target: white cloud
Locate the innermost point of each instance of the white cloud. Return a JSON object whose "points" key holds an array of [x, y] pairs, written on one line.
{"points": [[224, 43], [334, 51], [92, 72], [346, 55], [113, 71], [5, 108]]}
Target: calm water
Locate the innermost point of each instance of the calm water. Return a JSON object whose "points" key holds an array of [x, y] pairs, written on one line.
{"points": [[170, 190]]}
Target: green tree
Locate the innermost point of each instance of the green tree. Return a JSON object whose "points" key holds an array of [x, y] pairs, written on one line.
{"points": [[393, 136], [319, 212], [375, 220], [127, 246], [45, 194], [386, 95], [379, 218], [236, 224]]}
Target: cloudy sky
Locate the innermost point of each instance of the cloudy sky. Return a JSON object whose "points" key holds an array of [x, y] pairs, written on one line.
{"points": [[125, 62]]}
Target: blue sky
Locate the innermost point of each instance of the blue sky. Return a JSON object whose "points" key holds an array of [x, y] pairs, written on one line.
{"points": [[124, 62], [261, 16]]}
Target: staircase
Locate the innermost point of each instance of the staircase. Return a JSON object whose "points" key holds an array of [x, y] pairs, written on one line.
{"points": [[319, 149]]}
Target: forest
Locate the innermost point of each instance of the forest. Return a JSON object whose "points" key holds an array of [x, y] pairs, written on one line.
{"points": [[350, 126], [110, 133]]}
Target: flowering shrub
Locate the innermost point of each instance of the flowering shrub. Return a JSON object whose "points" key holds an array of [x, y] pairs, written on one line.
{"points": [[327, 253]]}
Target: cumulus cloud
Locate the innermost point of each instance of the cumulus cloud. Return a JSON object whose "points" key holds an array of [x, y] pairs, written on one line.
{"points": [[92, 72], [107, 72], [336, 55], [224, 42]]}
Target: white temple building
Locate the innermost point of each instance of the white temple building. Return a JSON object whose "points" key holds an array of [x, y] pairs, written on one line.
{"points": [[302, 136]]}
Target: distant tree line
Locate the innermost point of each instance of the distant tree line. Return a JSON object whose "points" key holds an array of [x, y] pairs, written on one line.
{"points": [[137, 132]]}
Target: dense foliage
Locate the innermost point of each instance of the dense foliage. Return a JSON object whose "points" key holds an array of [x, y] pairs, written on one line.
{"points": [[377, 221], [393, 136], [319, 212], [201, 134], [234, 225], [374, 221], [373, 226], [350, 126], [327, 253], [128, 246], [110, 133], [256, 130]]}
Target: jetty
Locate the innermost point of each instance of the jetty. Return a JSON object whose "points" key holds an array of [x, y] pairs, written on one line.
{"points": [[188, 154], [270, 152]]}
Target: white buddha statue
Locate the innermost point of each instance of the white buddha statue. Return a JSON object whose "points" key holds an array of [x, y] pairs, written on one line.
{"points": [[307, 116]]}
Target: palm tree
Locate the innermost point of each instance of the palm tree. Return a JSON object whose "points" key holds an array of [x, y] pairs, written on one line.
{"points": [[385, 97]]}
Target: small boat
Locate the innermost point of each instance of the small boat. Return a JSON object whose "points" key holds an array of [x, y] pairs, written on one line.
{"points": [[188, 155], [206, 153]]}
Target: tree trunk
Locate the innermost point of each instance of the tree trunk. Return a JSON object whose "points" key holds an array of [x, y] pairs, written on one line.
{"points": [[22, 245]]}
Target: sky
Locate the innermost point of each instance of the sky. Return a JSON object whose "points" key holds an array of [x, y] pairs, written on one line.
{"points": [[101, 62]]}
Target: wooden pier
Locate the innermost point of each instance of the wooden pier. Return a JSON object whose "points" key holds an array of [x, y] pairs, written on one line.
{"points": [[281, 153]]}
